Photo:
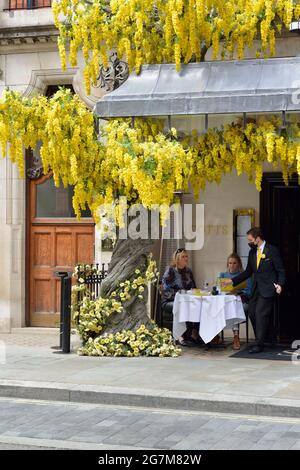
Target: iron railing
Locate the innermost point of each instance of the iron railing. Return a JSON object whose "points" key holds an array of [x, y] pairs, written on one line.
{"points": [[28, 4], [93, 276]]}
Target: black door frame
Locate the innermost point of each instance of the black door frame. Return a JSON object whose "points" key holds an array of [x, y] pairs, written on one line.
{"points": [[268, 224], [269, 183]]}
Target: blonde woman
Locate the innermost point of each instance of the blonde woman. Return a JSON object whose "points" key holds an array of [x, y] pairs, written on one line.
{"points": [[179, 276], [234, 268]]}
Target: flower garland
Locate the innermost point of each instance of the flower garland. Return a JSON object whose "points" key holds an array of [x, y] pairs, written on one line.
{"points": [[65, 129], [143, 342], [90, 316], [156, 31], [219, 151], [144, 164]]}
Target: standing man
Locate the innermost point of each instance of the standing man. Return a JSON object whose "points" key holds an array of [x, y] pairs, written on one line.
{"points": [[266, 266]]}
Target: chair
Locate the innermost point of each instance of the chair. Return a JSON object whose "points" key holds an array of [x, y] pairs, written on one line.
{"points": [[164, 319], [247, 327]]}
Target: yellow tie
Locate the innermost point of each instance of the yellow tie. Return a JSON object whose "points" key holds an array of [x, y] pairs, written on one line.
{"points": [[258, 256]]}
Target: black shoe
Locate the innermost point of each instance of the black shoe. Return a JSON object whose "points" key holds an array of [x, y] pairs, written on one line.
{"points": [[256, 349]]}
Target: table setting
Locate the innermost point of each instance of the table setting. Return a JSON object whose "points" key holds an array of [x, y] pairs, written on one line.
{"points": [[214, 312]]}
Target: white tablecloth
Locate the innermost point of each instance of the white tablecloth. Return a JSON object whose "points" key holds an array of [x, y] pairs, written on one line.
{"points": [[214, 313]]}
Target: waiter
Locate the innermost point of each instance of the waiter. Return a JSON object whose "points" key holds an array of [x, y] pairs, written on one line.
{"points": [[266, 266]]}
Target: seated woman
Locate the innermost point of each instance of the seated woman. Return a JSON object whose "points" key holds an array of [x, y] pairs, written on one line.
{"points": [[235, 267], [179, 276]]}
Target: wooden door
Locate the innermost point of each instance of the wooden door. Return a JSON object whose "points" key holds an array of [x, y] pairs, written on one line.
{"points": [[57, 242]]}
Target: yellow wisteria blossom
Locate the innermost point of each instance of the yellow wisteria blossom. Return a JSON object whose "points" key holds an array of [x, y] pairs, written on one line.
{"points": [[143, 164], [178, 31]]}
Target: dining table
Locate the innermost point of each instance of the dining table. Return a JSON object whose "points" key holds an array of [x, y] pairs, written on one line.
{"points": [[213, 313]]}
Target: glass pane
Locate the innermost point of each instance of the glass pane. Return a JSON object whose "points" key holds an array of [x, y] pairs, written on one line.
{"points": [[244, 223], [55, 202], [216, 121]]}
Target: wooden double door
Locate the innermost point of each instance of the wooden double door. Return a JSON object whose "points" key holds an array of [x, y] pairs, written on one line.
{"points": [[56, 241]]}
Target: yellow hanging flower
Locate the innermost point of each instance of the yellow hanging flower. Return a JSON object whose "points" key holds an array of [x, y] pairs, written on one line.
{"points": [[155, 31]]}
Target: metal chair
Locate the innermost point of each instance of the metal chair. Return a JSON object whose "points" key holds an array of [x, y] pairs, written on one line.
{"points": [[164, 319]]}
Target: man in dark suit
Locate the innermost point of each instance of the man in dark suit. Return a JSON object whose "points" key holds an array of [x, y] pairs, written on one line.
{"points": [[266, 267]]}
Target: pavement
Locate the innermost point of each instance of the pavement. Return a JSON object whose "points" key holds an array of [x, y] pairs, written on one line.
{"points": [[37, 424], [198, 381]]}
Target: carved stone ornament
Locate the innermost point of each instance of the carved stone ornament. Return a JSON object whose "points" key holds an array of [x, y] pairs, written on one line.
{"points": [[34, 173], [36, 169], [114, 75]]}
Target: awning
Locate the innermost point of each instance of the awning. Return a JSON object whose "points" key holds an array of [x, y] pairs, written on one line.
{"points": [[218, 87]]}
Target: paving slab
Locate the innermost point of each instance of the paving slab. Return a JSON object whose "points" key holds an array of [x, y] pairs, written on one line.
{"points": [[199, 380]]}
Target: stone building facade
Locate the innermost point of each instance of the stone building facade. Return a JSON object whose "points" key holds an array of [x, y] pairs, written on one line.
{"points": [[30, 63]]}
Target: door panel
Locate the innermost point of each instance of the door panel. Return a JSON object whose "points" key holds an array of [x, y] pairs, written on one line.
{"points": [[63, 248], [84, 246], [55, 244], [42, 247], [41, 299]]}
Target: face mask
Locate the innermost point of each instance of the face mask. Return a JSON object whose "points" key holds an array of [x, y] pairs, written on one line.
{"points": [[252, 245]]}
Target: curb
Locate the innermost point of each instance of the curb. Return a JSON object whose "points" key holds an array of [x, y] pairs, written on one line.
{"points": [[52, 391], [55, 444]]}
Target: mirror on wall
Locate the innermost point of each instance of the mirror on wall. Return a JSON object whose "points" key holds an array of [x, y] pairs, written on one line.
{"points": [[243, 220]]}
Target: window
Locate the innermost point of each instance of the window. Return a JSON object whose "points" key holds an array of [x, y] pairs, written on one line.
{"points": [[243, 220], [53, 202], [28, 4]]}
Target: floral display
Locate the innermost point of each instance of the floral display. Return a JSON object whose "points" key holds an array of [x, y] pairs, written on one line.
{"points": [[90, 316], [143, 342], [156, 31], [146, 164]]}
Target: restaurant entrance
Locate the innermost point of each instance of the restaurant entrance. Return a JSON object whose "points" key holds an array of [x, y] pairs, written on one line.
{"points": [[280, 222]]}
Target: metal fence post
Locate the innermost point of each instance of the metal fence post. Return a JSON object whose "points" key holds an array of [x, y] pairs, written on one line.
{"points": [[65, 303], [66, 313]]}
